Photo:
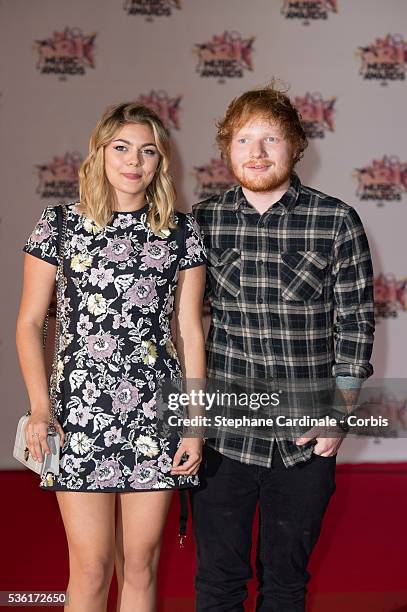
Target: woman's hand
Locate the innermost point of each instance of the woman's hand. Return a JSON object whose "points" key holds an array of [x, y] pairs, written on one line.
{"points": [[36, 435], [192, 447]]}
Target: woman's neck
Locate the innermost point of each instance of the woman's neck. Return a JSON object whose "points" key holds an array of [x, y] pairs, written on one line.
{"points": [[126, 202]]}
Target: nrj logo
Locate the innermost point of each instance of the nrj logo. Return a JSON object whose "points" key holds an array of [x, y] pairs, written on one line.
{"points": [[166, 108], [212, 179], [151, 8], [59, 178], [308, 10], [316, 114], [390, 295], [225, 57], [66, 53], [384, 60], [384, 180]]}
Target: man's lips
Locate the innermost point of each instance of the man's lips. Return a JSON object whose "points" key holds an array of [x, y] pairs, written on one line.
{"points": [[259, 167], [131, 176]]}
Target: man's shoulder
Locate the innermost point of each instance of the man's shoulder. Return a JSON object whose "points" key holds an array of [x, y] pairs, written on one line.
{"points": [[334, 210], [311, 197], [213, 203]]}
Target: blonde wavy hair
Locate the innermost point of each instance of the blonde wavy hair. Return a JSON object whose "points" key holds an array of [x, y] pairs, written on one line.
{"points": [[97, 195]]}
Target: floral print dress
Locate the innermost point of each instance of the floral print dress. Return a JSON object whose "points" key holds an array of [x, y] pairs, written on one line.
{"points": [[115, 346]]}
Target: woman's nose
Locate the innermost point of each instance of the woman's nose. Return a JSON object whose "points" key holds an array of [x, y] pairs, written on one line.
{"points": [[134, 159]]}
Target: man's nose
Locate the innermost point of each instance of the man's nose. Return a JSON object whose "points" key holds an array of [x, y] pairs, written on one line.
{"points": [[257, 149]]}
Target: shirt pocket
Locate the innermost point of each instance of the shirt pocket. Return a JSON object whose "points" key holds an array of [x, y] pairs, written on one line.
{"points": [[303, 274], [224, 270]]}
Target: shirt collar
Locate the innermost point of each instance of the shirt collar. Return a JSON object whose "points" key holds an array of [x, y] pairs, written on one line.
{"points": [[235, 199]]}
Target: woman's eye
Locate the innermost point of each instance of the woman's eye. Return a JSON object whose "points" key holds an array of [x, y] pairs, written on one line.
{"points": [[149, 151], [120, 148]]}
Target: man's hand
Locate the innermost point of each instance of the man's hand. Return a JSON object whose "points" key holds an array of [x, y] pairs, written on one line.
{"points": [[325, 446]]}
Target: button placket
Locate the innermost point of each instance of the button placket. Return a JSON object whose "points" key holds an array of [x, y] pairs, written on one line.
{"points": [[262, 263]]}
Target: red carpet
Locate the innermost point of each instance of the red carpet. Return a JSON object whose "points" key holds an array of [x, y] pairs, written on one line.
{"points": [[359, 564]]}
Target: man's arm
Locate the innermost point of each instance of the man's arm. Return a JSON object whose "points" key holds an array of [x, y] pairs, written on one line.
{"points": [[354, 303]]}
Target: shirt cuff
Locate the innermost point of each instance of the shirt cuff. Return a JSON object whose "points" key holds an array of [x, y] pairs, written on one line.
{"points": [[348, 382]]}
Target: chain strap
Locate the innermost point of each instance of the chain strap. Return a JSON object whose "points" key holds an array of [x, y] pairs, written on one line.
{"points": [[60, 297]]}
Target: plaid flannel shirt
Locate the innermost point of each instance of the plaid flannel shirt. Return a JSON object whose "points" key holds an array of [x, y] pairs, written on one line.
{"points": [[292, 298]]}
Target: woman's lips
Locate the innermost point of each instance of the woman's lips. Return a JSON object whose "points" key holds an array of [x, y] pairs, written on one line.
{"points": [[131, 176]]}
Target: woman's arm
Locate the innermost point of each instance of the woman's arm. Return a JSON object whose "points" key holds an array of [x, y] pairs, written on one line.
{"points": [[190, 342], [38, 285], [190, 338]]}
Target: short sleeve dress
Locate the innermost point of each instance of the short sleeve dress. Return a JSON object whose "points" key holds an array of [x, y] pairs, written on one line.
{"points": [[119, 287]]}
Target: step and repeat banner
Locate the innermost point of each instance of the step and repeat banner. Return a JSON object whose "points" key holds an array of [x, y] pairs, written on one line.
{"points": [[65, 61]]}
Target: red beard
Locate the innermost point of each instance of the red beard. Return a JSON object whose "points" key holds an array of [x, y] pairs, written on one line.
{"points": [[272, 180]]}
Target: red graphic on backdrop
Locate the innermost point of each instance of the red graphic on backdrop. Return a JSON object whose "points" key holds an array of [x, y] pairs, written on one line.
{"points": [[59, 178], [384, 180], [151, 8], [316, 114], [308, 10], [66, 53], [166, 108], [212, 179], [390, 295], [384, 60], [225, 57]]}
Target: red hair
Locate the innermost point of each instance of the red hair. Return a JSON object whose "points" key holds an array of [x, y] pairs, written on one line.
{"points": [[269, 103]]}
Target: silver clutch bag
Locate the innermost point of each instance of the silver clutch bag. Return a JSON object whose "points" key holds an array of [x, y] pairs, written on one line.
{"points": [[48, 469]]}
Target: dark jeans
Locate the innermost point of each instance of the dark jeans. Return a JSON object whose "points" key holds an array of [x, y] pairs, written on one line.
{"points": [[292, 504]]}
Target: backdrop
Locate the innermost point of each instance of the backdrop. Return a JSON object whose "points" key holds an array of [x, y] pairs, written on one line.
{"points": [[64, 61]]}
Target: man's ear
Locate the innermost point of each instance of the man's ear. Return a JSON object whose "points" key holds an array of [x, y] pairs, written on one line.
{"points": [[226, 158]]}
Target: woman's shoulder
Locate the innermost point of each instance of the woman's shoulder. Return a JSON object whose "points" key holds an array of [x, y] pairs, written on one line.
{"points": [[54, 209], [181, 216], [73, 207], [185, 219]]}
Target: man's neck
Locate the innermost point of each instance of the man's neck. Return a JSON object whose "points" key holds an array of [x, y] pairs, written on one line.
{"points": [[262, 200]]}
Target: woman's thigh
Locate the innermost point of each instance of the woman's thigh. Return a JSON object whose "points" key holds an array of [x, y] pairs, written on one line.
{"points": [[89, 521], [141, 518]]}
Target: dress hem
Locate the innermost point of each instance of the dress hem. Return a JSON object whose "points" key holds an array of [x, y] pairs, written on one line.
{"points": [[107, 490]]}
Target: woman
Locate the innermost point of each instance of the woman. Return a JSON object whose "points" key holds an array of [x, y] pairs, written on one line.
{"points": [[130, 263]]}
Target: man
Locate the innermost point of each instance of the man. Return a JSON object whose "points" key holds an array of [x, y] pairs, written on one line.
{"points": [[282, 258]]}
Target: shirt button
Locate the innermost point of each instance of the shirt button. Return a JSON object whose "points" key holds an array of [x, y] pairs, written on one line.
{"points": [[261, 300], [261, 262], [265, 340]]}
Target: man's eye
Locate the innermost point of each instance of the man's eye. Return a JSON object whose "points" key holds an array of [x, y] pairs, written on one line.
{"points": [[271, 139], [242, 140]]}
